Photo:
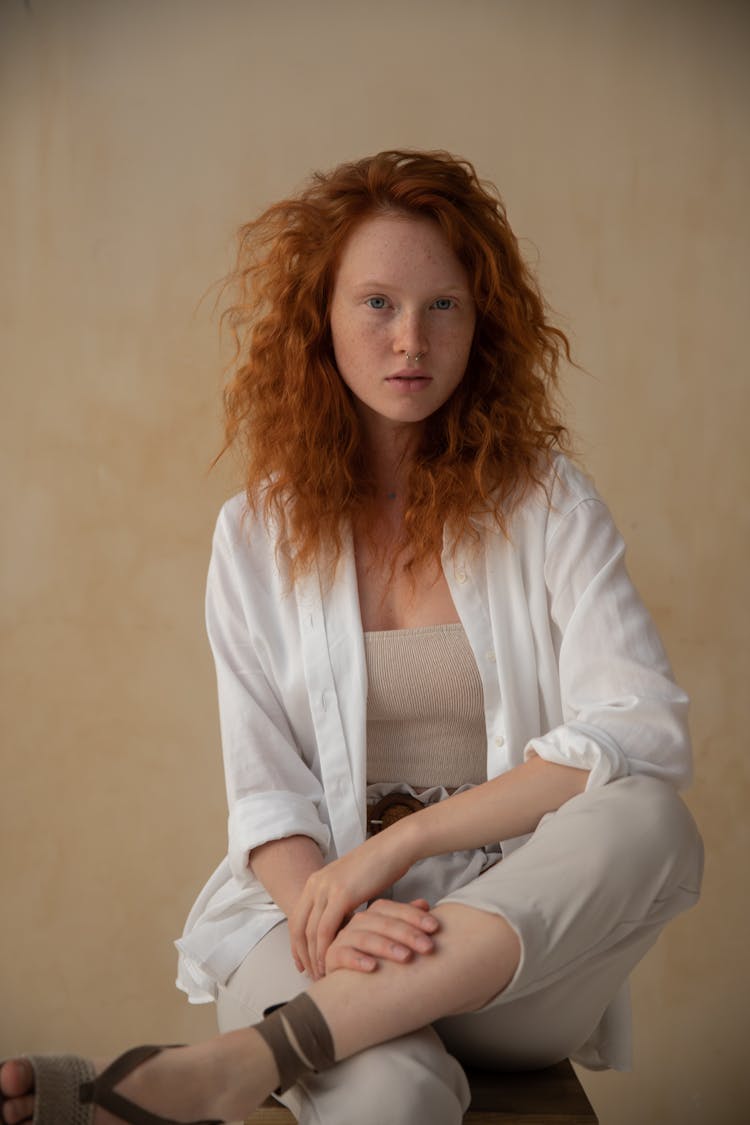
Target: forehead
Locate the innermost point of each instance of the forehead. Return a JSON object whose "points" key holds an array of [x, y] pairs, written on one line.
{"points": [[400, 245]]}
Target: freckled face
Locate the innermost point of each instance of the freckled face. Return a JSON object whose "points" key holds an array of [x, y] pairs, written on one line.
{"points": [[400, 293]]}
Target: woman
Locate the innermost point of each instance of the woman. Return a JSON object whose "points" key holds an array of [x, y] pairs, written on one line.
{"points": [[451, 735]]}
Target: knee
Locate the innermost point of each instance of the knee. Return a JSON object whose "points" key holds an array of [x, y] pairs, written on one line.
{"points": [[662, 818], [649, 819]]}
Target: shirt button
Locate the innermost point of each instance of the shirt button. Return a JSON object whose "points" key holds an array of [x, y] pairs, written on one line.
{"points": [[461, 576], [499, 740], [490, 656]]}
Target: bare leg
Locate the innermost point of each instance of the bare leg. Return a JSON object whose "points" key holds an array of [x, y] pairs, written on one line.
{"points": [[475, 958]]}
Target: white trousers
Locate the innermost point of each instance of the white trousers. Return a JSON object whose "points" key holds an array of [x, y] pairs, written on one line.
{"points": [[588, 895]]}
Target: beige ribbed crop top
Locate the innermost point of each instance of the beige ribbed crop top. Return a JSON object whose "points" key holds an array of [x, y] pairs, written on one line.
{"points": [[425, 708]]}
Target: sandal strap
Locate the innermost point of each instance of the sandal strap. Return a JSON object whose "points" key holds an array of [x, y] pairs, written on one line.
{"points": [[100, 1092], [302, 1017], [121, 1067]]}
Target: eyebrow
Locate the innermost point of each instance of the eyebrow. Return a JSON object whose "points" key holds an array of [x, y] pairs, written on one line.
{"points": [[374, 283]]}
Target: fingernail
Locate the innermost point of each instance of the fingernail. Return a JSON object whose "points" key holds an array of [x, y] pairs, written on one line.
{"points": [[424, 944], [429, 924]]}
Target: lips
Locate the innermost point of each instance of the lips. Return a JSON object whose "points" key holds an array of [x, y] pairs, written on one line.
{"points": [[409, 373], [409, 381], [410, 376]]}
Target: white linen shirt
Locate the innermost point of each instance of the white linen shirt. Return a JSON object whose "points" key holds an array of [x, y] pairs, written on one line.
{"points": [[571, 665]]}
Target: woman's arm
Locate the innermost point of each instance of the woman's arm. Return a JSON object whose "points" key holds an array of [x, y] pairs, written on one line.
{"points": [[621, 712], [284, 866], [273, 792], [393, 931], [506, 806]]}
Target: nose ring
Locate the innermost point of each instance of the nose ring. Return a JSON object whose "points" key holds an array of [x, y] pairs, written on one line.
{"points": [[416, 357]]}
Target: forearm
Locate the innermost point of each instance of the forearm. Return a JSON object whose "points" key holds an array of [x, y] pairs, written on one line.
{"points": [[507, 806], [284, 866]]}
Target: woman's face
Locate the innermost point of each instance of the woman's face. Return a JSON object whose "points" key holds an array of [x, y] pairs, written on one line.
{"points": [[402, 319]]}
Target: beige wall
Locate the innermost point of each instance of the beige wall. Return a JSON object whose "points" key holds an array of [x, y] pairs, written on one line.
{"points": [[136, 136]]}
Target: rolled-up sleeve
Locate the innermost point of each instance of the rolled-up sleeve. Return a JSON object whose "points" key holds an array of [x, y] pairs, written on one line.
{"points": [[622, 711], [260, 817], [272, 791]]}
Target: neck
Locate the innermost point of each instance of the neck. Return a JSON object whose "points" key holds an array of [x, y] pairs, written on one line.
{"points": [[390, 452], [390, 476]]}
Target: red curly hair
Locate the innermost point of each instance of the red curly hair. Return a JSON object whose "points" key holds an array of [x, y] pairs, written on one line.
{"points": [[290, 413]]}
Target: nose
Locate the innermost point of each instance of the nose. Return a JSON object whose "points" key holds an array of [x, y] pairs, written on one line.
{"points": [[410, 337]]}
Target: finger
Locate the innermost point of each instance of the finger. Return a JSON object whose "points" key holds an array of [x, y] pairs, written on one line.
{"points": [[294, 944], [294, 948], [302, 959], [428, 922], [310, 952], [330, 923], [347, 957], [374, 943], [299, 940], [393, 931], [407, 911], [323, 924]]}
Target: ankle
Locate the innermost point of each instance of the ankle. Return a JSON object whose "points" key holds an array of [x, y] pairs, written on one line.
{"points": [[299, 1039], [244, 1069]]}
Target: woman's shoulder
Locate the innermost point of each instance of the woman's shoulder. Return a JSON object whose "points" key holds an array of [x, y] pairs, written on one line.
{"points": [[234, 512], [576, 516], [560, 486], [245, 551], [569, 484], [565, 496], [242, 529]]}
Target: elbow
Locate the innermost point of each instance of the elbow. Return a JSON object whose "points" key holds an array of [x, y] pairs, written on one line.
{"points": [[564, 779]]}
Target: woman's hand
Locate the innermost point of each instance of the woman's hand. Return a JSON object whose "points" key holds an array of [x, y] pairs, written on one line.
{"points": [[332, 894], [386, 931]]}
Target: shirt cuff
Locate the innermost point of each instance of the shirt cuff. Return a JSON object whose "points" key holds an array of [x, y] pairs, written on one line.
{"points": [[585, 748], [262, 817]]}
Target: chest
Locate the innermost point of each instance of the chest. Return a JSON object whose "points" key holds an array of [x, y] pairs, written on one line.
{"points": [[390, 597]]}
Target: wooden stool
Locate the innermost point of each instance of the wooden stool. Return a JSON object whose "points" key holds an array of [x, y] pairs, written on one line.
{"points": [[532, 1097]]}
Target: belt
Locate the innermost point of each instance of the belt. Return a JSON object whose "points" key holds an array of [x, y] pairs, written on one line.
{"points": [[389, 809]]}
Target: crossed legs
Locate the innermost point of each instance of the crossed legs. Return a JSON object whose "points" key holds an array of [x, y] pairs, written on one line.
{"points": [[226, 1077], [588, 895]]}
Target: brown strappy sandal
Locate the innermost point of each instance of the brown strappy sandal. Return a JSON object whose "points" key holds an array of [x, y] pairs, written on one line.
{"points": [[67, 1090]]}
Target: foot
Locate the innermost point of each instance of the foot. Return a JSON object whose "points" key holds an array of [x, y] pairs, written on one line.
{"points": [[222, 1079]]}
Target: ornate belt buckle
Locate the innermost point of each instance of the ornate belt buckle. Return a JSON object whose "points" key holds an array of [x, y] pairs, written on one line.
{"points": [[391, 808]]}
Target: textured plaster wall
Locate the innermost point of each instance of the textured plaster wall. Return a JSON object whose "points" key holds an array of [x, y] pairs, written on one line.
{"points": [[135, 137]]}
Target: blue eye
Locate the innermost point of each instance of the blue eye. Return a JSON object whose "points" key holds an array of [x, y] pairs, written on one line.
{"points": [[376, 302], [444, 303]]}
